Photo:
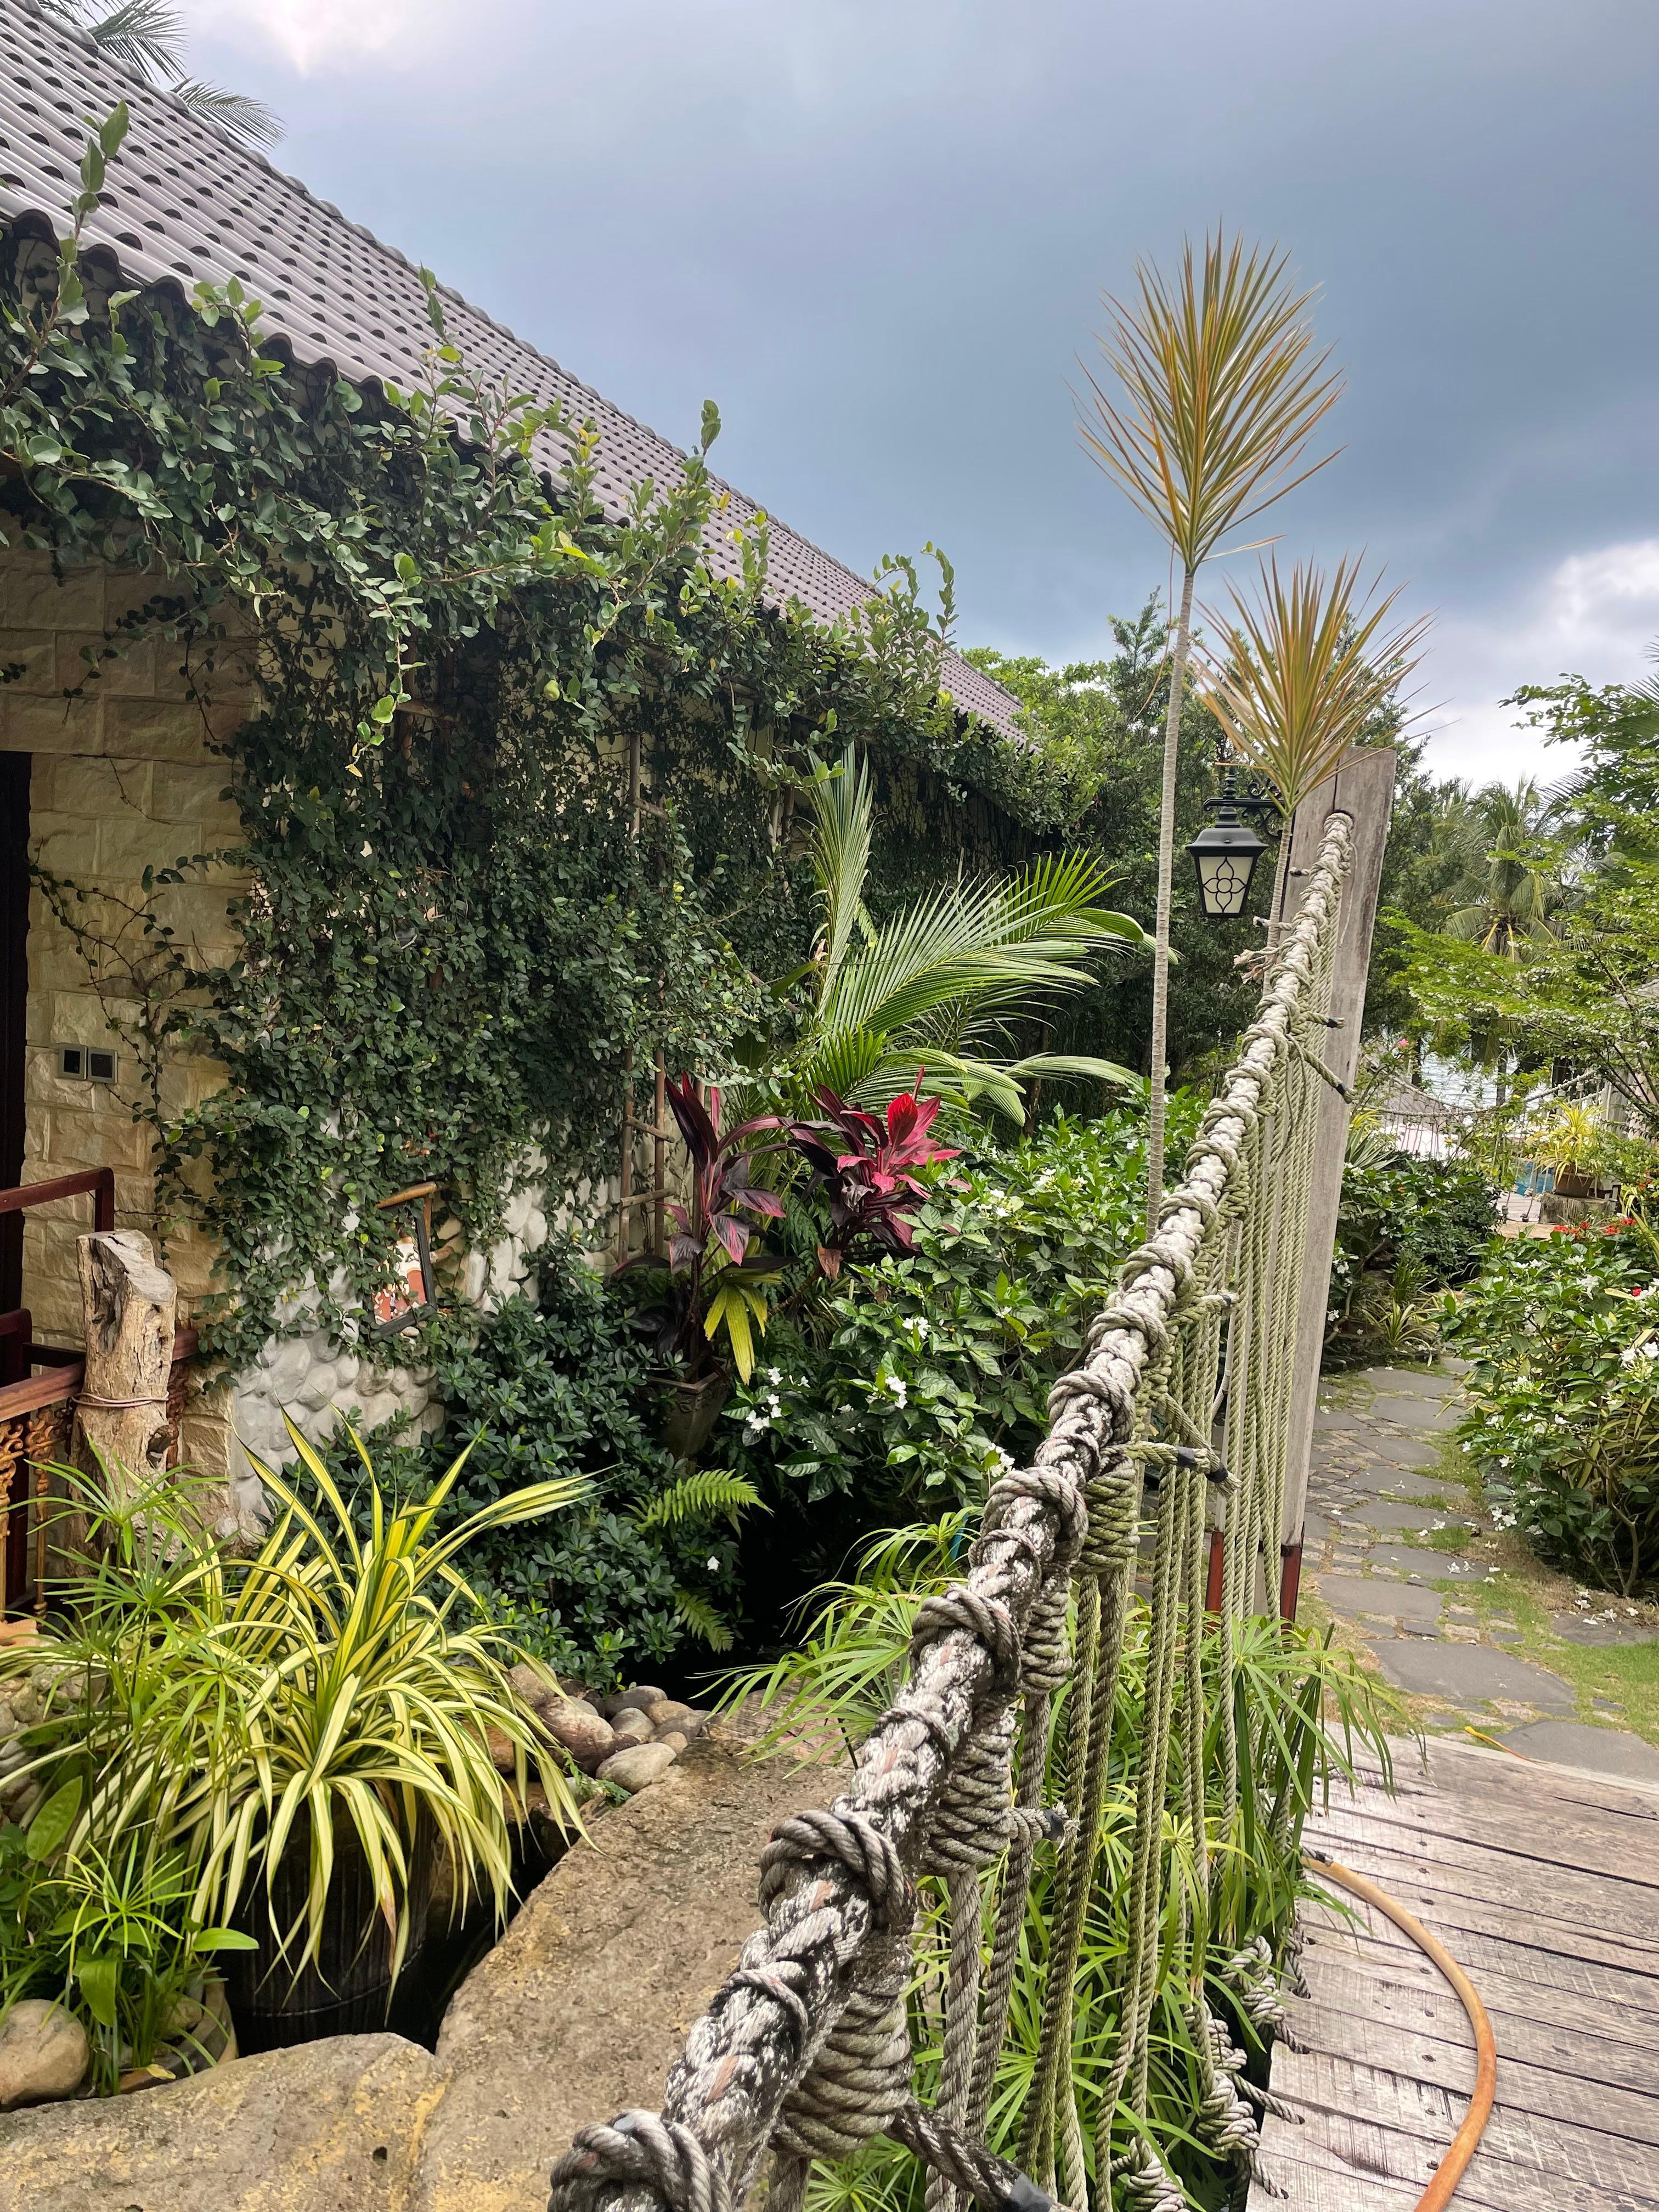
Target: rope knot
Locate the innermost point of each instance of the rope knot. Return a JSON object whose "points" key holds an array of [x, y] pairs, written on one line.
{"points": [[853, 1841], [639, 2149], [986, 1619]]}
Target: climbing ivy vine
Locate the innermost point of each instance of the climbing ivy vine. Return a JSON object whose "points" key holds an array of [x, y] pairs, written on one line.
{"points": [[462, 927]]}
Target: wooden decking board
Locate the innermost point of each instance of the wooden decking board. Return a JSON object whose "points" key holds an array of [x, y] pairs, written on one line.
{"points": [[1451, 1894], [1538, 1834], [1330, 1962], [1562, 1895], [1485, 1776], [1370, 2168], [1545, 2090], [1335, 2093], [1544, 1884]]}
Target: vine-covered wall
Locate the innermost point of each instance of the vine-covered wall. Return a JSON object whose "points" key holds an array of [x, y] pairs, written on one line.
{"points": [[373, 894]]}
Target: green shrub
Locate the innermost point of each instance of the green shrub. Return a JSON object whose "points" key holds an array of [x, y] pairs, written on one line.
{"points": [[1404, 1226], [908, 1383], [1564, 1335], [555, 1386]]}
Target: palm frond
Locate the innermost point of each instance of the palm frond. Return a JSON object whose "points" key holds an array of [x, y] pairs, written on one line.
{"points": [[1299, 677], [1223, 390], [842, 812], [246, 118], [147, 35]]}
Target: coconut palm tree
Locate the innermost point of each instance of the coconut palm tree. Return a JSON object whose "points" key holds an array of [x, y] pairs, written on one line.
{"points": [[1221, 392], [937, 984], [149, 37], [1517, 885]]}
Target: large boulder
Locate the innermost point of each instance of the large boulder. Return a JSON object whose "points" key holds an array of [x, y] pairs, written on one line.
{"points": [[331, 2126], [581, 2008]]}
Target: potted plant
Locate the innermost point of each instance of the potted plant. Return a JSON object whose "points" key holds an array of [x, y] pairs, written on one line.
{"points": [[714, 1284], [308, 1731]]}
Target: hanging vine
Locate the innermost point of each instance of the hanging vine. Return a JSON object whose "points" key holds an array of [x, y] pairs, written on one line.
{"points": [[453, 941]]}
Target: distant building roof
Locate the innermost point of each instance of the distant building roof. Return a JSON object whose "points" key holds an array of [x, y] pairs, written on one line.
{"points": [[188, 205]]}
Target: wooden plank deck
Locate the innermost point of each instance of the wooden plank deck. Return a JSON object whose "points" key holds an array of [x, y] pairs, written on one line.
{"points": [[1543, 1883]]}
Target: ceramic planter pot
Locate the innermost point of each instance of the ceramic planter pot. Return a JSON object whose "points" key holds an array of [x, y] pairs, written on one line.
{"points": [[348, 1989], [691, 1412]]}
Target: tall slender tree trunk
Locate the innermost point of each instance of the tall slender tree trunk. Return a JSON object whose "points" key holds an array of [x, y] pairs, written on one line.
{"points": [[1155, 1116]]}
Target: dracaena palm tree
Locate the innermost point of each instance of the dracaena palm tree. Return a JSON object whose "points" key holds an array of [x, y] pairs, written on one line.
{"points": [[937, 984], [149, 37], [1300, 677], [1221, 392]]}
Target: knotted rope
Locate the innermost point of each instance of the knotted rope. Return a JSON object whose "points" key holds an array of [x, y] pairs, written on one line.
{"points": [[805, 2047]]}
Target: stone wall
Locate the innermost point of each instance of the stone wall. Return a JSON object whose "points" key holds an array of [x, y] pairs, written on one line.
{"points": [[123, 778]]}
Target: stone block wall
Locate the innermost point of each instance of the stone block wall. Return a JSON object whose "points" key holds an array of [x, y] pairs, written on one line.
{"points": [[123, 778]]}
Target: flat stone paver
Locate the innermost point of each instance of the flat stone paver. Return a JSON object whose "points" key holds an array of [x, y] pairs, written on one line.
{"points": [[1400, 1483], [1412, 1379], [1433, 1567], [1386, 1513], [1415, 1413], [1474, 1674], [1576, 1743], [1392, 1449], [1381, 1473], [1595, 1629], [1361, 1594]]}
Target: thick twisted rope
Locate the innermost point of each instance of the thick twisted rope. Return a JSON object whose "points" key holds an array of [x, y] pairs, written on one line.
{"points": [[802, 2040]]}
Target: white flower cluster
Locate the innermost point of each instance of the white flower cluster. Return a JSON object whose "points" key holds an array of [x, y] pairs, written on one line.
{"points": [[762, 1415]]}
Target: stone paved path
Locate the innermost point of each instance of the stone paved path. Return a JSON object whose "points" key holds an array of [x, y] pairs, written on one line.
{"points": [[1376, 1492]]}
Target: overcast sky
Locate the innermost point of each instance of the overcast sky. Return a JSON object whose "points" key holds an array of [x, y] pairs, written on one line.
{"points": [[876, 231]]}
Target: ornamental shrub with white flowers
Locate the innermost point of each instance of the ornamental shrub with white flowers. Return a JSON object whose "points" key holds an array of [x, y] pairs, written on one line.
{"points": [[1563, 1333]]}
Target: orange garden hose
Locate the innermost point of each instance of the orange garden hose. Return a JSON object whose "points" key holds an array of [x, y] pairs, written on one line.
{"points": [[1443, 2182]]}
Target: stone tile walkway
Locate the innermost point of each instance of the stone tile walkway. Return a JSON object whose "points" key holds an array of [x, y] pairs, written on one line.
{"points": [[1376, 1482]]}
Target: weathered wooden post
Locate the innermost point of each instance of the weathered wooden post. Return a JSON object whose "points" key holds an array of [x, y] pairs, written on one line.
{"points": [[1362, 788], [130, 1307]]}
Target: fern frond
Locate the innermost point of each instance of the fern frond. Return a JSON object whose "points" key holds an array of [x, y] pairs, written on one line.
{"points": [[701, 1618], [699, 1496]]}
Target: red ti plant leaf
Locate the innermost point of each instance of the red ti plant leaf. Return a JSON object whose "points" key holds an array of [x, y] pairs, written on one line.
{"points": [[870, 1185]]}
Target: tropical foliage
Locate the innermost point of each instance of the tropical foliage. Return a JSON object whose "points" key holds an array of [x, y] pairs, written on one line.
{"points": [[1563, 1424], [1301, 1712], [1306, 672], [206, 1719], [908, 1383], [1406, 1228], [148, 36], [1220, 392], [941, 980]]}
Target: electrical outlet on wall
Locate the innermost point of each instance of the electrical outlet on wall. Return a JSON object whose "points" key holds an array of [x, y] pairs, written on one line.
{"points": [[87, 1063]]}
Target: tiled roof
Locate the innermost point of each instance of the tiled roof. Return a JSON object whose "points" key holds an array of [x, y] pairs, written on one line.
{"points": [[186, 204]]}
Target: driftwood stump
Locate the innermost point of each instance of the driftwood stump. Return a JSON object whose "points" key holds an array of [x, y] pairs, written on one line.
{"points": [[130, 1307]]}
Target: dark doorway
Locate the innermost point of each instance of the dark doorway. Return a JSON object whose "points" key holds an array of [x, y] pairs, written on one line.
{"points": [[14, 1003]]}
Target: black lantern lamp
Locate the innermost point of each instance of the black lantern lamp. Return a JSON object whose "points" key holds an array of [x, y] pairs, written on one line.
{"points": [[1225, 851]]}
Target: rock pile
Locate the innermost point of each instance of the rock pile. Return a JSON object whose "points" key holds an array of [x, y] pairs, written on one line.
{"points": [[629, 1738]]}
